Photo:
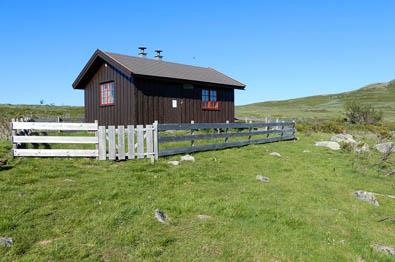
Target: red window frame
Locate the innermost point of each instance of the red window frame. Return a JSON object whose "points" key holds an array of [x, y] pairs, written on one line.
{"points": [[210, 99], [109, 87]]}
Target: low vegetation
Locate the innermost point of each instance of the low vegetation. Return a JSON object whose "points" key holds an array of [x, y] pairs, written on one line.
{"points": [[72, 209], [358, 113]]}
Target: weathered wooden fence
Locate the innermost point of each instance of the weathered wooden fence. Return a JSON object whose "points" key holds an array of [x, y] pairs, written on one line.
{"points": [[36, 133], [130, 142], [282, 130], [110, 142]]}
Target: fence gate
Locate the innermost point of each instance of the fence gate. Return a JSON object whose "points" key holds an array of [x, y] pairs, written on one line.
{"points": [[128, 143]]}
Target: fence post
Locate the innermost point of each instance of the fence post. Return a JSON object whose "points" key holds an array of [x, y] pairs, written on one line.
{"points": [[97, 137], [140, 141], [249, 131], [121, 143], [192, 133], [111, 143], [156, 143], [102, 143], [294, 128], [226, 131], [130, 131], [149, 138], [12, 137], [282, 128]]}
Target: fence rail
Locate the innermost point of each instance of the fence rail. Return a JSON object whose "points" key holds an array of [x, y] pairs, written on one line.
{"points": [[130, 142]]}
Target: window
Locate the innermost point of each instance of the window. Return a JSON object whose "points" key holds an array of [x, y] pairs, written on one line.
{"points": [[107, 94], [209, 99]]}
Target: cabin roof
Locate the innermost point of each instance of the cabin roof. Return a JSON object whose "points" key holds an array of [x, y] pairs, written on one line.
{"points": [[131, 65]]}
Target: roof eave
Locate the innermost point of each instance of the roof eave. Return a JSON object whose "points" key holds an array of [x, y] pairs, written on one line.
{"points": [[108, 59]]}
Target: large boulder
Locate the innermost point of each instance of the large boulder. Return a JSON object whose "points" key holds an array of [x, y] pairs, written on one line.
{"points": [[329, 144], [343, 138], [366, 196], [385, 147]]}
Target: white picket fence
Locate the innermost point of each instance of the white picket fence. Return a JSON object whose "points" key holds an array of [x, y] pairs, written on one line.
{"points": [[110, 143]]}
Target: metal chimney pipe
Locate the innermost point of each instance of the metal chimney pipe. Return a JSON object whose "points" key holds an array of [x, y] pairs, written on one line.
{"points": [[141, 52], [158, 56]]}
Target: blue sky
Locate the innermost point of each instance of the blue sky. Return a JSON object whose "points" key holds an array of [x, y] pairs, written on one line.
{"points": [[280, 49]]}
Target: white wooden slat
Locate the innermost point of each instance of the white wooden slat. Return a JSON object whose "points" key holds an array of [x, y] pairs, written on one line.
{"points": [[156, 147], [149, 139], [111, 143], [56, 152], [140, 141], [102, 143], [55, 126], [130, 131], [56, 139], [121, 142]]}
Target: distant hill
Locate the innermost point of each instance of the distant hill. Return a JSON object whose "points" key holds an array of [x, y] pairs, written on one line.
{"points": [[379, 95]]}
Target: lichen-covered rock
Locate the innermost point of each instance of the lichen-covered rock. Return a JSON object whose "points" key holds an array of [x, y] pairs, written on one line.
{"points": [[366, 196], [174, 162], [329, 144], [384, 249], [203, 217], [188, 158], [275, 154], [264, 179], [386, 147], [160, 216], [343, 138], [6, 241]]}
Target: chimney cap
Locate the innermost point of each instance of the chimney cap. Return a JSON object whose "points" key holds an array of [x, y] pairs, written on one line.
{"points": [[142, 53], [158, 56]]}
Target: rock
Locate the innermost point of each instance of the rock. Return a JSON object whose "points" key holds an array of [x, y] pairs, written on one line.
{"points": [[366, 196], [343, 138], [6, 241], [188, 158], [385, 147], [203, 217], [384, 249], [68, 180], [174, 162], [360, 259], [160, 216], [329, 144], [363, 149], [264, 179], [306, 151], [275, 154]]}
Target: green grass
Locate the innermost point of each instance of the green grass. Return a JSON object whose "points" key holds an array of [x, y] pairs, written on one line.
{"points": [[13, 111], [73, 209], [381, 96]]}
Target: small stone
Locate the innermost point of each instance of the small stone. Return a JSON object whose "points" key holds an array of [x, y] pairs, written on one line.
{"points": [[366, 196], [6, 241], [203, 217], [264, 179], [275, 154], [306, 151], [68, 180], [384, 249], [174, 162], [360, 259], [188, 158], [160, 216], [385, 147], [329, 144]]}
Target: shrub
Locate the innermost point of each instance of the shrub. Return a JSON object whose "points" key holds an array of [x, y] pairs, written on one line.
{"points": [[357, 113]]}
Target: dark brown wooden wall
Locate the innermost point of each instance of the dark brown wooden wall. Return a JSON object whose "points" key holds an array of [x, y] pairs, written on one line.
{"points": [[158, 95], [142, 101], [123, 111]]}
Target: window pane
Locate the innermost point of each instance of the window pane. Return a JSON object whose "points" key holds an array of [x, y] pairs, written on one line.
{"points": [[205, 95], [111, 93], [213, 95]]}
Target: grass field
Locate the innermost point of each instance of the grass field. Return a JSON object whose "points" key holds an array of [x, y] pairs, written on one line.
{"points": [[381, 96], [63, 209]]}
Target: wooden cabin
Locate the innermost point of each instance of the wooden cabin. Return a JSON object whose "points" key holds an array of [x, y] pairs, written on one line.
{"points": [[121, 90]]}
